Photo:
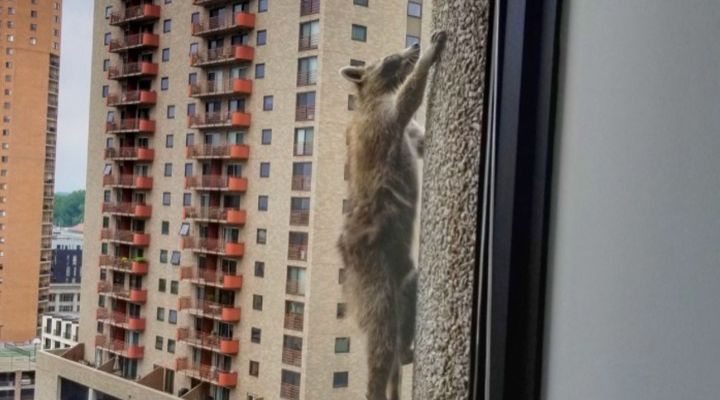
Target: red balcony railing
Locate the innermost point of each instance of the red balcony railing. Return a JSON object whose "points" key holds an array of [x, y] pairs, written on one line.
{"points": [[134, 97], [223, 312], [233, 119], [235, 86], [121, 319], [130, 125], [144, 12], [223, 55], [220, 344], [215, 246], [309, 42], [305, 113], [132, 351], [224, 24], [136, 41], [212, 277], [121, 292], [125, 237], [135, 210], [233, 216], [229, 151], [130, 153], [132, 69], [129, 181], [207, 373], [217, 182], [139, 267], [309, 7]]}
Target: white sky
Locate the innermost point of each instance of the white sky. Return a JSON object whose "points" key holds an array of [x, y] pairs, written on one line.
{"points": [[76, 49]]}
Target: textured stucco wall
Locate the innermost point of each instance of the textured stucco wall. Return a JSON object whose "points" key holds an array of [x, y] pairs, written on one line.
{"points": [[449, 204]]}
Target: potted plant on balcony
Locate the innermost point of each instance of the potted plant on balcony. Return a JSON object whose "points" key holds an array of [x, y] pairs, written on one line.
{"points": [[139, 264]]}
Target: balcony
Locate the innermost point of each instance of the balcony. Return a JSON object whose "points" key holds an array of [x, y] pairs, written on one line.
{"points": [[225, 24], [297, 252], [120, 319], [210, 309], [292, 356], [130, 98], [123, 264], [220, 215], [135, 210], [289, 391], [130, 154], [310, 42], [136, 41], [130, 125], [309, 7], [209, 3], [207, 373], [223, 151], [208, 341], [294, 322], [119, 291], [128, 181], [125, 237], [233, 119], [216, 182], [121, 347], [144, 12], [294, 288], [223, 56], [305, 113], [212, 277], [301, 183], [213, 246], [235, 86], [300, 217], [132, 70], [307, 78]]}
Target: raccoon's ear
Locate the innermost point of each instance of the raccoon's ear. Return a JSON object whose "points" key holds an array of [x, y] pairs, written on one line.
{"points": [[353, 74]]}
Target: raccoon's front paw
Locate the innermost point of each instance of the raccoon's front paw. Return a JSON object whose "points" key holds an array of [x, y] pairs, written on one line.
{"points": [[438, 40]]}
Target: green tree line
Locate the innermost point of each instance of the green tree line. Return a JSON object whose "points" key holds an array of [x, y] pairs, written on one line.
{"points": [[69, 208]]}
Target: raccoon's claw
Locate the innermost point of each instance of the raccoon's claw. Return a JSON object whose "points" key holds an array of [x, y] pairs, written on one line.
{"points": [[438, 41]]}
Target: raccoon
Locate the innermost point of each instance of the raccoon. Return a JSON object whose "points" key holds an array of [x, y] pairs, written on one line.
{"points": [[375, 244]]}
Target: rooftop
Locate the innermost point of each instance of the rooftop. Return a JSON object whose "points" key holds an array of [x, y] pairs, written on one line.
{"points": [[17, 357]]}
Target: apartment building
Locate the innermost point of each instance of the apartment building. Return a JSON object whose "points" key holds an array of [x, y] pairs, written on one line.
{"points": [[216, 188], [64, 295], [29, 61], [59, 331], [17, 371]]}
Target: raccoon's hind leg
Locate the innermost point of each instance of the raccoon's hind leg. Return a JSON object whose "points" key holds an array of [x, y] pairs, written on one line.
{"points": [[395, 381]]}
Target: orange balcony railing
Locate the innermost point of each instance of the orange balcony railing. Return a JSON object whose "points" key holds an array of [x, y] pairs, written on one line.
{"points": [[214, 246], [130, 153], [308, 42], [133, 69], [144, 12], [135, 210], [224, 24], [222, 55], [121, 292], [212, 277], [129, 181], [233, 119], [130, 125], [292, 356], [233, 216], [309, 7], [132, 351], [294, 321], [211, 309], [226, 151], [124, 264], [125, 237], [133, 97], [289, 391], [207, 373], [235, 86], [220, 344], [217, 182], [136, 41], [121, 319]]}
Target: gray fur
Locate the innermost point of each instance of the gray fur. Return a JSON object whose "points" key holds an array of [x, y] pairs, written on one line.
{"points": [[375, 245]]}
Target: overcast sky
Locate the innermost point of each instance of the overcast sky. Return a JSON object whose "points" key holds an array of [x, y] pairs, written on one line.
{"points": [[74, 95]]}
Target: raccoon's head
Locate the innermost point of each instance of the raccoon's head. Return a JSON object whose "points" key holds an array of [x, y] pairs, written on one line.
{"points": [[385, 76]]}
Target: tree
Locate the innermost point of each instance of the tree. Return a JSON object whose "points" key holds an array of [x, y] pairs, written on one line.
{"points": [[69, 208]]}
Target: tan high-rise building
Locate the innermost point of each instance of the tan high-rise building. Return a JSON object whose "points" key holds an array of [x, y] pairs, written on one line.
{"points": [[29, 61], [215, 193]]}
